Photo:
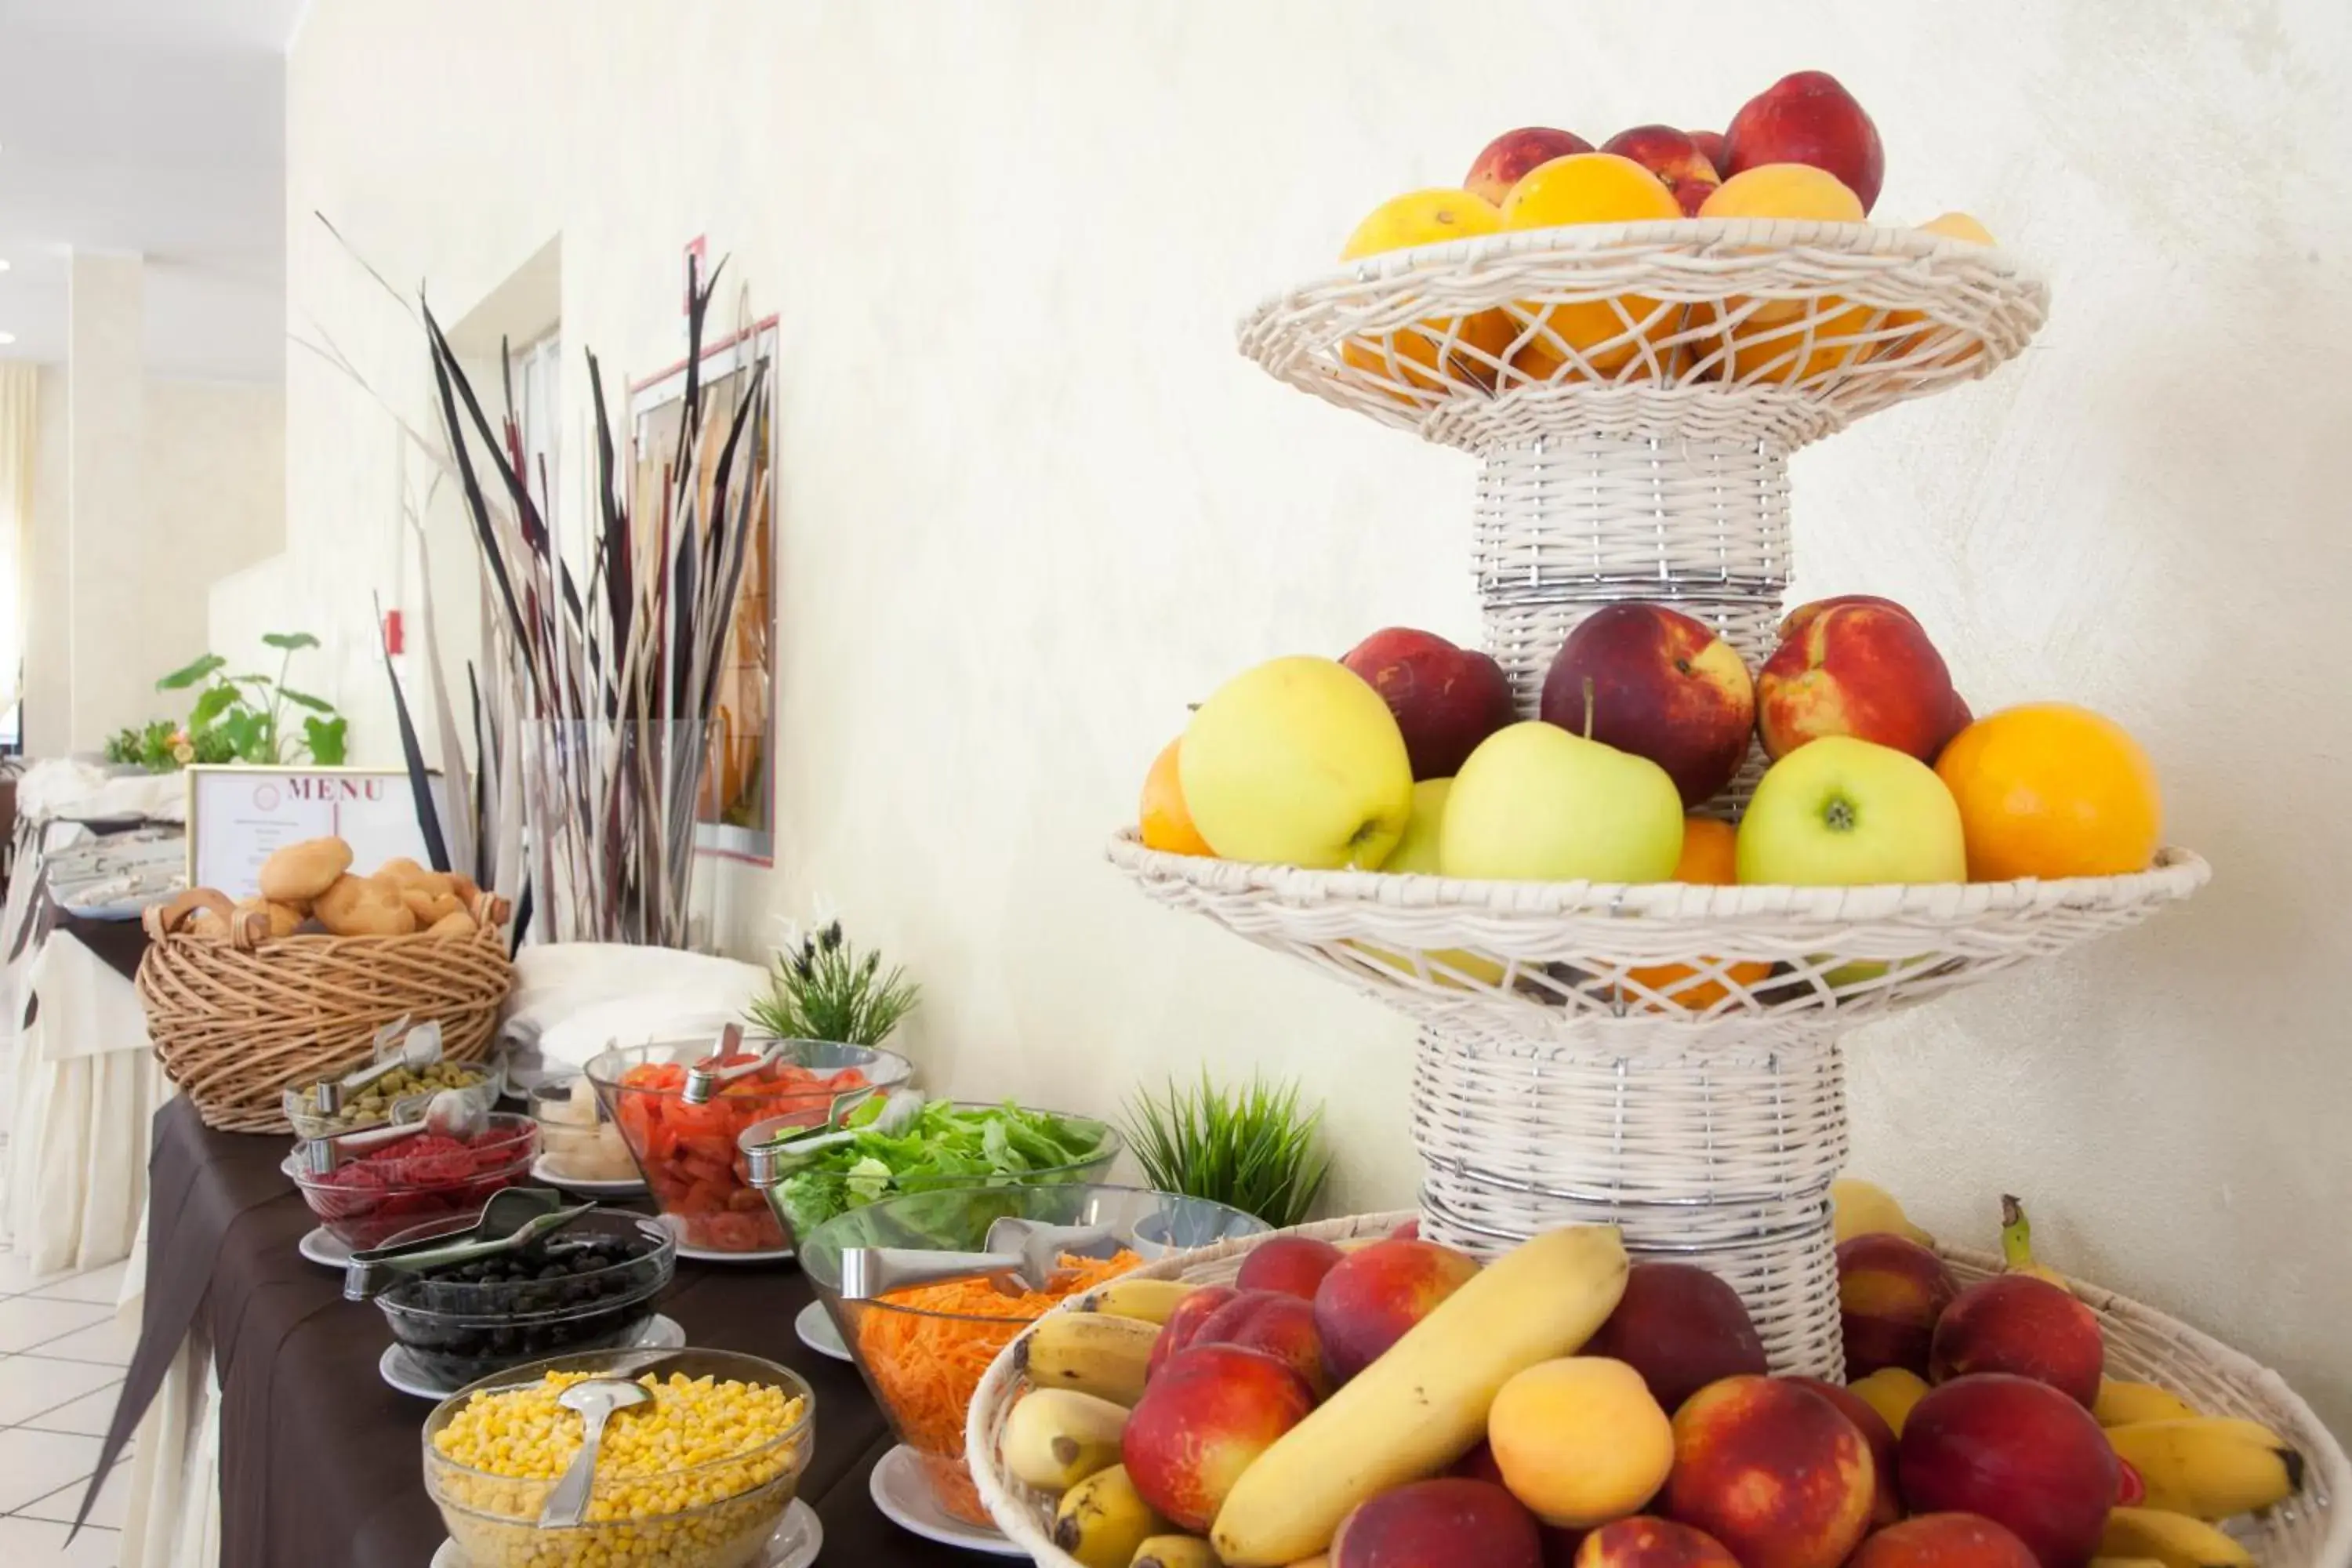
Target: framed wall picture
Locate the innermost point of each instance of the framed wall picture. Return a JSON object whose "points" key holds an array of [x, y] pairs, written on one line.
{"points": [[735, 817], [238, 816]]}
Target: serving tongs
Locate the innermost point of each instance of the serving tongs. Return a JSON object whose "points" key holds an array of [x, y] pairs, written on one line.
{"points": [[396, 1046], [707, 1078], [453, 1113], [512, 1219], [775, 1148], [1023, 1256]]}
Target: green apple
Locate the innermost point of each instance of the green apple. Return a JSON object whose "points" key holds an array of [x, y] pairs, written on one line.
{"points": [[1417, 851], [1300, 763], [1839, 811], [1535, 804]]}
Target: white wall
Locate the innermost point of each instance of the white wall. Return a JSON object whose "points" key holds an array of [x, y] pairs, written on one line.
{"points": [[1034, 502], [214, 468]]}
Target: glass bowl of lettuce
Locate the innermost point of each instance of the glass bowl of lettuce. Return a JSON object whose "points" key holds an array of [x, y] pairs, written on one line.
{"points": [[898, 1142]]}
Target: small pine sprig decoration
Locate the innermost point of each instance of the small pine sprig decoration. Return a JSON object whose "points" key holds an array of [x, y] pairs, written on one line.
{"points": [[825, 989]]}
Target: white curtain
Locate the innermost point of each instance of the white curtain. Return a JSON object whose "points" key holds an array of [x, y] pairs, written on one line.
{"points": [[19, 434]]}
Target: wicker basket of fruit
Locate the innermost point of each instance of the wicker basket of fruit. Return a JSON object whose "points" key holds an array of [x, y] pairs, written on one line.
{"points": [[1463, 1408], [247, 1001]]}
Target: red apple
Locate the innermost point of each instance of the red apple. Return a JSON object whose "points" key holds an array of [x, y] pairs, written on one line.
{"points": [[1447, 699], [1711, 144], [1513, 154], [1858, 669], [1681, 1328], [2018, 1452], [1408, 1231], [1282, 1326], [1664, 687], [1445, 1523], [1888, 1506], [1769, 1468], [1208, 1415], [2017, 1323], [1891, 1290], [1674, 156], [1808, 118], [1184, 1323], [1943, 1540], [1366, 1304], [1646, 1540], [1290, 1265]]}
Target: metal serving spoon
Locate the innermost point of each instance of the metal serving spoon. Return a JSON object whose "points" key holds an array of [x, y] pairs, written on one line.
{"points": [[595, 1399]]}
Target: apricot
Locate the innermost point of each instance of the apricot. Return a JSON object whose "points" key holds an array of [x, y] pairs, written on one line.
{"points": [[1950, 226], [1788, 341], [1588, 338], [1580, 1440], [1431, 357], [1165, 823]]}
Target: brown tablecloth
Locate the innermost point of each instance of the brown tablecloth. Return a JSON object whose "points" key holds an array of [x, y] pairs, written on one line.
{"points": [[320, 1459]]}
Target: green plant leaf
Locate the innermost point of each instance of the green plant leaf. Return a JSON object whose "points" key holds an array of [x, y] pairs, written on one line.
{"points": [[250, 679], [245, 734], [326, 738], [290, 641], [316, 704], [215, 701], [188, 675]]}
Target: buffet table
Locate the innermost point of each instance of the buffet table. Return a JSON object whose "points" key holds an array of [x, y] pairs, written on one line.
{"points": [[319, 1460]]}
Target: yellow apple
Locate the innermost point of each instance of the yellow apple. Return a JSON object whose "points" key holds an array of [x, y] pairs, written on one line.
{"points": [[1839, 811], [1417, 852], [1297, 762], [1535, 804]]}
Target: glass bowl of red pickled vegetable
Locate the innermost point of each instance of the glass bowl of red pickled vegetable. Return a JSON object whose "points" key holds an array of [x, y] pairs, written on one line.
{"points": [[698, 1176], [379, 1191]]}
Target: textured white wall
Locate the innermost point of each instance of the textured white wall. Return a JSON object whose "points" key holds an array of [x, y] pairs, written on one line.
{"points": [[1034, 502]]}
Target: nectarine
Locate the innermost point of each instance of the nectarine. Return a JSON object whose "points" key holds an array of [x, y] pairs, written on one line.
{"points": [[1646, 1541], [1293, 1265], [1447, 699], [1367, 1300], [1808, 117], [1944, 1541], [1681, 1328], [1211, 1412], [1771, 1470], [1860, 669], [1445, 1523], [2018, 1452], [1503, 161], [1891, 1292], [1674, 156], [1888, 1508], [2017, 1323]]}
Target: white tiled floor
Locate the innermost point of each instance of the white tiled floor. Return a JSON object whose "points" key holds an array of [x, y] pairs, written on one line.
{"points": [[62, 1358]]}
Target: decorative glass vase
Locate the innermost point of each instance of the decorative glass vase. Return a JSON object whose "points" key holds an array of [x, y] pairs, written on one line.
{"points": [[611, 827]]}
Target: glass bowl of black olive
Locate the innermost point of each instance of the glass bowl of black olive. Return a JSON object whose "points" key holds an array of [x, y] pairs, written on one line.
{"points": [[590, 1286]]}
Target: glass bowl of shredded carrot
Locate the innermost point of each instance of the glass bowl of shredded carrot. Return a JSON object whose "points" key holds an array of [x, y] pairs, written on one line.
{"points": [[923, 1350]]}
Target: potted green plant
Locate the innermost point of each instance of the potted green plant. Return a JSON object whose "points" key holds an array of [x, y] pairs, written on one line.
{"points": [[238, 718]]}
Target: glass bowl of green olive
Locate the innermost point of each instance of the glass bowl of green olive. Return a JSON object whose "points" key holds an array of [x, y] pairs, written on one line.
{"points": [[398, 1096]]}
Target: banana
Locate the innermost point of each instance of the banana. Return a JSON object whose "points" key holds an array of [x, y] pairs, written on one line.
{"points": [[2209, 1466], [1422, 1405], [1147, 1300], [2017, 1246], [1102, 1520], [2120, 1403], [1174, 1551], [1056, 1437], [1892, 1391], [1092, 1353], [2174, 1540]]}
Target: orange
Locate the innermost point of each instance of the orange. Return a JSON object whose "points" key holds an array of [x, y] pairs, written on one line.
{"points": [[1710, 857], [1165, 822], [1408, 359], [2052, 790], [1575, 335]]}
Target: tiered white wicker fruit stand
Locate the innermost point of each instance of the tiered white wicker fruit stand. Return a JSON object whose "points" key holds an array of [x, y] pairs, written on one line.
{"points": [[1664, 1058]]}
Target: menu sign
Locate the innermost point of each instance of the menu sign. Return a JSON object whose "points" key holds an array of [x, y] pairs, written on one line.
{"points": [[238, 816]]}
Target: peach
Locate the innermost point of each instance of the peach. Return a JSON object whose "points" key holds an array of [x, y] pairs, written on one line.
{"points": [[1891, 1290], [2018, 1452], [1681, 1328], [1711, 144], [1372, 1297], [1282, 1326], [2017, 1323], [1431, 357], [1674, 156], [1447, 699], [1659, 684], [1177, 1334], [1291, 1265], [1510, 155], [1646, 1541], [1944, 1541], [1808, 118], [1580, 1440], [1208, 1415], [1771, 1470], [1862, 669], [1887, 1507], [1445, 1523], [1590, 339]]}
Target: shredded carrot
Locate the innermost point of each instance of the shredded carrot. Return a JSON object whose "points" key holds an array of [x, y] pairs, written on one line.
{"points": [[928, 1367]]}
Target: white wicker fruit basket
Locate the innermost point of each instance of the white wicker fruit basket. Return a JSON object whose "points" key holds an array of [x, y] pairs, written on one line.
{"points": [[2311, 1529]]}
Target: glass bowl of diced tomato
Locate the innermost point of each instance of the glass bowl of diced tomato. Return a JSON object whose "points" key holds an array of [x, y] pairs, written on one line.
{"points": [[697, 1177]]}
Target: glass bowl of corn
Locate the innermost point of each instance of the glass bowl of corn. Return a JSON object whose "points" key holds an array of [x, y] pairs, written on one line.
{"points": [[696, 1479]]}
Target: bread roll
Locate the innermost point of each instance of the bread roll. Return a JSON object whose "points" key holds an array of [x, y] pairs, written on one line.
{"points": [[458, 924], [300, 872], [362, 906], [210, 924], [284, 918], [400, 869], [419, 902]]}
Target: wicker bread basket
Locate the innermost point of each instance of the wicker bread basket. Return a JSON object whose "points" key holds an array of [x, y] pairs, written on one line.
{"points": [[2311, 1529], [237, 1022]]}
